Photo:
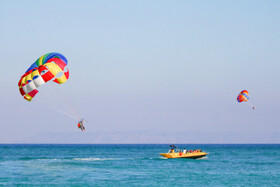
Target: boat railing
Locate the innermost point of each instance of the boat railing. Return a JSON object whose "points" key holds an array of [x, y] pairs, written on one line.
{"points": [[178, 150], [186, 151]]}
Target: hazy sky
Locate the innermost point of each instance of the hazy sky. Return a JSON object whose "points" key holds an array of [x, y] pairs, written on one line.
{"points": [[144, 66]]}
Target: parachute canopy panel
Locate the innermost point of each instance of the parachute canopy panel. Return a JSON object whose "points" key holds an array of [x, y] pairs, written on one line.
{"points": [[44, 69], [243, 96]]}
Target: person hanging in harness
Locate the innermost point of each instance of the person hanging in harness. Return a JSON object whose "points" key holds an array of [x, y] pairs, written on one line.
{"points": [[81, 125]]}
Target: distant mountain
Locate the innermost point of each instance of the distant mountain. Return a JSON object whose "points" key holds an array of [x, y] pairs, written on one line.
{"points": [[151, 136]]}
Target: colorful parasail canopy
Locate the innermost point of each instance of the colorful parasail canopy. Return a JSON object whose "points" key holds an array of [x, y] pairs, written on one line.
{"points": [[51, 66], [243, 96]]}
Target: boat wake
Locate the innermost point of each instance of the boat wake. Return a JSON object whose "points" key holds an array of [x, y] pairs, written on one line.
{"points": [[94, 159], [202, 158]]}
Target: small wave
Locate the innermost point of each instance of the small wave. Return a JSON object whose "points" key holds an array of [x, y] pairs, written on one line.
{"points": [[25, 158], [49, 159], [93, 159], [30, 158]]}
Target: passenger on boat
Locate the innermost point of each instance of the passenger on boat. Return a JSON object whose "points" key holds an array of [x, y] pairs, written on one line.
{"points": [[184, 151], [172, 148]]}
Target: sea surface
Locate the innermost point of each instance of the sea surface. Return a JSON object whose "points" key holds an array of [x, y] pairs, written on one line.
{"points": [[138, 165]]}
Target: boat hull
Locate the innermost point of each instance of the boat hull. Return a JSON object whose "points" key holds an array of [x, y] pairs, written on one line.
{"points": [[181, 155]]}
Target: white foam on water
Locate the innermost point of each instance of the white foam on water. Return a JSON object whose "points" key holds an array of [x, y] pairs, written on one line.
{"points": [[48, 159], [93, 159], [202, 158]]}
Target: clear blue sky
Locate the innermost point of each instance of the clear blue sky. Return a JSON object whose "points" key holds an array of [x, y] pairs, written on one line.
{"points": [[146, 66]]}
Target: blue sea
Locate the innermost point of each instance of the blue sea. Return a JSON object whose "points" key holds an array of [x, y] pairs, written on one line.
{"points": [[138, 165]]}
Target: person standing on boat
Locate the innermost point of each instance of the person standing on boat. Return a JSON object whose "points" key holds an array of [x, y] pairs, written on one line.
{"points": [[172, 148]]}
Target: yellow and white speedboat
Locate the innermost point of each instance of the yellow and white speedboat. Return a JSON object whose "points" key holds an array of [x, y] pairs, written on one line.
{"points": [[183, 154]]}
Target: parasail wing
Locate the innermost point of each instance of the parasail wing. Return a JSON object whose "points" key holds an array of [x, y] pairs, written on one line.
{"points": [[51, 66]]}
